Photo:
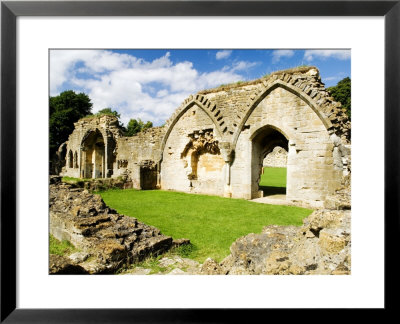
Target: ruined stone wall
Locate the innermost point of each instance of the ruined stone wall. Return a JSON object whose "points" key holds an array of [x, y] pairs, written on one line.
{"points": [[231, 101], [311, 174], [277, 158], [192, 160], [107, 127], [139, 153], [296, 103], [215, 141], [236, 100]]}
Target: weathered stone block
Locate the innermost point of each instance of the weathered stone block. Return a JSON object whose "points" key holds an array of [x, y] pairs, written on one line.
{"points": [[332, 240]]}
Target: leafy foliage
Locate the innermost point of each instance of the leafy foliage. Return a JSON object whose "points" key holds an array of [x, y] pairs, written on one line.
{"points": [[135, 126], [342, 93], [108, 112], [65, 109]]}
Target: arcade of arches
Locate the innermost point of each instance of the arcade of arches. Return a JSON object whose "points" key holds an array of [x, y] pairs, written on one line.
{"points": [[216, 141]]}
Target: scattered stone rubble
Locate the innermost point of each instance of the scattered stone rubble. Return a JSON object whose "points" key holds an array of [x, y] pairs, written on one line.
{"points": [[109, 240], [169, 265], [321, 246]]}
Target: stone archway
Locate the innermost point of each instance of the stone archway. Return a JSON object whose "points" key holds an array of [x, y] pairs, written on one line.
{"points": [[93, 155], [70, 160], [192, 157], [311, 173], [208, 107], [263, 142]]}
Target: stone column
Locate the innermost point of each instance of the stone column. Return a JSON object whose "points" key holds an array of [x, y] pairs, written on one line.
{"points": [[80, 162], [226, 153], [291, 174], [104, 166], [94, 162], [158, 185], [105, 175], [82, 165]]}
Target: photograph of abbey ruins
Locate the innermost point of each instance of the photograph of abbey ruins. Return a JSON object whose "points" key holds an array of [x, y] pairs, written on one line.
{"points": [[200, 161]]}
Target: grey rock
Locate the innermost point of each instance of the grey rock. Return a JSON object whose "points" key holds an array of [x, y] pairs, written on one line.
{"points": [[78, 257], [62, 265]]}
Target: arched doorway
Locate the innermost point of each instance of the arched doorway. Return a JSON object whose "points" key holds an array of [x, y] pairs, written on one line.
{"points": [[76, 160], [70, 160], [268, 180], [93, 156], [60, 159]]}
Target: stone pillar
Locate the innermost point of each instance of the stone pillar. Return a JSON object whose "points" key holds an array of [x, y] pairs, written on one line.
{"points": [[292, 173], [226, 153], [104, 168], [158, 185], [227, 180], [80, 162], [247, 173], [94, 162], [106, 172]]}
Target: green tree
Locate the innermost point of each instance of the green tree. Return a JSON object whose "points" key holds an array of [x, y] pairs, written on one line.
{"points": [[135, 126], [108, 111], [342, 93], [65, 109]]}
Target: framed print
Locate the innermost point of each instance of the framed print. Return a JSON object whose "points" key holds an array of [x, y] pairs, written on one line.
{"points": [[33, 31]]}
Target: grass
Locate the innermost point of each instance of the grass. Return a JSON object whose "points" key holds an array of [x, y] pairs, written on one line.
{"points": [[71, 180], [211, 223], [61, 247], [273, 177], [273, 181], [153, 262], [99, 114], [230, 84]]}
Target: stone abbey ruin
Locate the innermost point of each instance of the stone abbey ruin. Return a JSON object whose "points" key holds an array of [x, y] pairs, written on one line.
{"points": [[216, 141]]}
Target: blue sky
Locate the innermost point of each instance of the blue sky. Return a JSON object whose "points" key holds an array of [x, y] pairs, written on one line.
{"points": [[151, 84]]}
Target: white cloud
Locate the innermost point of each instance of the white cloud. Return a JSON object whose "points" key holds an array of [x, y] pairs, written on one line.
{"points": [[242, 66], [162, 93], [134, 87], [278, 54], [309, 55], [223, 54], [63, 64]]}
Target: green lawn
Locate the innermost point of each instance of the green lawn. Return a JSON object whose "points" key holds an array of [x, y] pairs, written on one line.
{"points": [[273, 177], [211, 223], [273, 181]]}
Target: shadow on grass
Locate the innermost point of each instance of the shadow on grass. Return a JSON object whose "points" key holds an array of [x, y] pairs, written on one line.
{"points": [[269, 191]]}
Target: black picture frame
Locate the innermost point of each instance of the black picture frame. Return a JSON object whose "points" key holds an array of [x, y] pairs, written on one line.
{"points": [[10, 10]]}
